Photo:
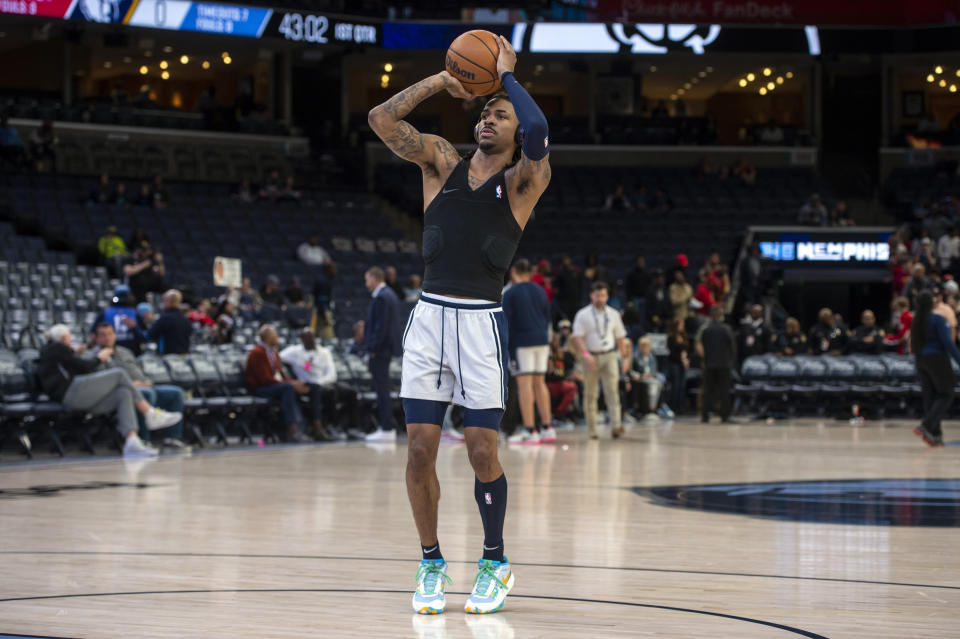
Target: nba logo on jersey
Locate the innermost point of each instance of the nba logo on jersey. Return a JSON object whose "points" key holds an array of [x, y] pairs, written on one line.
{"points": [[487, 497], [499, 192]]}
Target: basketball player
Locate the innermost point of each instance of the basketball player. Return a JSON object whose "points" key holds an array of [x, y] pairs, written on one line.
{"points": [[455, 343]]}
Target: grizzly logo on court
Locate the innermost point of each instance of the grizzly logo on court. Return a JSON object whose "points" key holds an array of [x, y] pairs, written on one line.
{"points": [[457, 69]]}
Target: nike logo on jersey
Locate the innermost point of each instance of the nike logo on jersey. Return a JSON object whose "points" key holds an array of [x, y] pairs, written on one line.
{"points": [[449, 190]]}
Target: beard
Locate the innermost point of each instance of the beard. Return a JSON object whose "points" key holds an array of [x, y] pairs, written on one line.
{"points": [[487, 145]]}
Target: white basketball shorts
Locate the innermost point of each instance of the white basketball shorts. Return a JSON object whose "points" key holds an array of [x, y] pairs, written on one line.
{"points": [[532, 360], [455, 350]]}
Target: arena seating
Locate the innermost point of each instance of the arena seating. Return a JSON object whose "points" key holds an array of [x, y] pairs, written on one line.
{"points": [[908, 187]]}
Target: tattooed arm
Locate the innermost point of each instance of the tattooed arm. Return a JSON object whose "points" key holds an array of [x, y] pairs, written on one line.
{"points": [[433, 154]]}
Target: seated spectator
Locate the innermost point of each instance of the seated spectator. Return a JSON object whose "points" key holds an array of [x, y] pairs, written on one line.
{"points": [[826, 338], [43, 143], [166, 398], [74, 382], [144, 271], [902, 319], [322, 294], [139, 239], [172, 330], [120, 195], [294, 292], [288, 193], [916, 284], [948, 251], [145, 314], [390, 279], [562, 376], [771, 133], [680, 295], [113, 250], [121, 315], [266, 378], [617, 201], [270, 293], [868, 337], [745, 171], [310, 252], [102, 193], [313, 365], [660, 202], [637, 283], [144, 197], [790, 341], [161, 198], [644, 384], [250, 301], [245, 192], [813, 212], [755, 335], [225, 317], [414, 288], [11, 146], [201, 315], [927, 257], [271, 186], [355, 346], [840, 216], [706, 292], [659, 308]]}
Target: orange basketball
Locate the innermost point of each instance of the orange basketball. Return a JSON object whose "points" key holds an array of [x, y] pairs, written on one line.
{"points": [[472, 59]]}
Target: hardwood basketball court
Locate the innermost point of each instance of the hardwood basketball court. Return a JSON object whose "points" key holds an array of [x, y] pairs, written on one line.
{"points": [[806, 529]]}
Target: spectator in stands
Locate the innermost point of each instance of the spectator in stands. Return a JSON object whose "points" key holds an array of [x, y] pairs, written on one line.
{"points": [[706, 292], [102, 193], [310, 252], [927, 256], [200, 316], [43, 145], [598, 335], [11, 146], [746, 172], [113, 250], [660, 202], [144, 197], [294, 292], [225, 317], [322, 294], [840, 216], [164, 397], [382, 342], [826, 338], [72, 381], [755, 336], [678, 361], [266, 378], [270, 293], [751, 275], [245, 192], [645, 384], [271, 186], [680, 295], [542, 277], [144, 271], [868, 337], [948, 251], [901, 272], [313, 365], [562, 377], [659, 308], [931, 342], [902, 320], [568, 287], [918, 283], [172, 330], [593, 272], [288, 193], [392, 281], [637, 284], [717, 349], [120, 195], [813, 212], [414, 288], [145, 314], [946, 305], [161, 197], [791, 341], [617, 201], [771, 133], [122, 317], [250, 300], [139, 239], [355, 346]]}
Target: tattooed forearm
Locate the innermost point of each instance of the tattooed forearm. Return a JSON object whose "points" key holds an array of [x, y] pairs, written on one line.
{"points": [[400, 105], [405, 141]]}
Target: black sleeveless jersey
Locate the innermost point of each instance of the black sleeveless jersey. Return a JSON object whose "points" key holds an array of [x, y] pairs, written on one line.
{"points": [[469, 237]]}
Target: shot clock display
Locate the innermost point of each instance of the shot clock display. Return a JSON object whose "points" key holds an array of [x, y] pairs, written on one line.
{"points": [[316, 28]]}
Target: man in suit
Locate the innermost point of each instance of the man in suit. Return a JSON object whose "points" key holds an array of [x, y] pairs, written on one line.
{"points": [[382, 340]]}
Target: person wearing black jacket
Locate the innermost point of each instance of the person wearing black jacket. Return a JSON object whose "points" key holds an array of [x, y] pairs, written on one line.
{"points": [[72, 381], [718, 349], [171, 331], [659, 310], [826, 338], [755, 336], [791, 341], [868, 337]]}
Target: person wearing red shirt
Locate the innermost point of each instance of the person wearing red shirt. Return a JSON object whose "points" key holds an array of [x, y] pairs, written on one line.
{"points": [[266, 378], [901, 339], [541, 277], [705, 292]]}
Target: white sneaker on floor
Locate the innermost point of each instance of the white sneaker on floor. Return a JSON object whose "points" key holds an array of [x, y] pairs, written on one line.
{"points": [[135, 447], [494, 580], [380, 435], [524, 437], [548, 435], [157, 419]]}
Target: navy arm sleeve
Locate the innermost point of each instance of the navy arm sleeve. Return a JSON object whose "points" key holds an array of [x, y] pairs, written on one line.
{"points": [[531, 118]]}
